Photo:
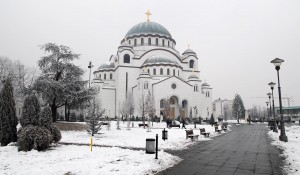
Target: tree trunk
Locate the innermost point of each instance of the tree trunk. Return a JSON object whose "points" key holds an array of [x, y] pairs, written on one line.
{"points": [[68, 112], [53, 110]]}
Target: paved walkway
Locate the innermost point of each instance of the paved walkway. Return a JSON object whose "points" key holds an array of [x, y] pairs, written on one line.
{"points": [[245, 150]]}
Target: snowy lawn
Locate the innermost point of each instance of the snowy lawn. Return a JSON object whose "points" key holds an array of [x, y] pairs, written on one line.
{"points": [[79, 160], [291, 149], [136, 137]]}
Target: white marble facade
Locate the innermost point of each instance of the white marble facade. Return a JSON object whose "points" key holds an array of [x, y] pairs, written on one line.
{"points": [[147, 60]]}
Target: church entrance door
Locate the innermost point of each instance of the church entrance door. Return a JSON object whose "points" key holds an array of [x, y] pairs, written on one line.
{"points": [[172, 113]]}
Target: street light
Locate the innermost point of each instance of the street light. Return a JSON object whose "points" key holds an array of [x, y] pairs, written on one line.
{"points": [[272, 84], [277, 62], [267, 110], [269, 95], [90, 67]]}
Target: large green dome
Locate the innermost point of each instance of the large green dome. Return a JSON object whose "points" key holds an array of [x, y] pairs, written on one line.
{"points": [[160, 59], [148, 28]]}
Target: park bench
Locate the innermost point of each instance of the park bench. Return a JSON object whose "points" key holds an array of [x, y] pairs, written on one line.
{"points": [[141, 124], [174, 125], [104, 123], [190, 134], [224, 128], [217, 129], [203, 132]]}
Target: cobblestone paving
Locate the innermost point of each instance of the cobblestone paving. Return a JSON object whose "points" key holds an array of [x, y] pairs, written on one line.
{"points": [[245, 150]]}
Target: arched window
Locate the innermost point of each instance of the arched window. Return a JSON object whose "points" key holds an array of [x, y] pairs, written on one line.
{"points": [[146, 85], [100, 76], [148, 71], [134, 42], [156, 41], [129, 42], [168, 71], [161, 71], [142, 41], [191, 63], [149, 41], [154, 71], [168, 43], [163, 42], [104, 76], [196, 88], [178, 73], [126, 58], [173, 72], [110, 76]]}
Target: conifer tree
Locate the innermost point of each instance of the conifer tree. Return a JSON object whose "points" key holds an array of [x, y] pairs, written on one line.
{"points": [[8, 117], [238, 109], [31, 111]]}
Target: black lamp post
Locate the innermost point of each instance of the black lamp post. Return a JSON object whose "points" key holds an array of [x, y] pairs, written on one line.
{"points": [[269, 95], [90, 67], [277, 62], [267, 110], [271, 84]]}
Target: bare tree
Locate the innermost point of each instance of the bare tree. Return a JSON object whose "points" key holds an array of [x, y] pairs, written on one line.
{"points": [[150, 105], [167, 107]]}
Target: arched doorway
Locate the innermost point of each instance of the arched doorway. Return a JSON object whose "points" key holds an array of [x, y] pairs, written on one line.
{"points": [[183, 110], [173, 107]]}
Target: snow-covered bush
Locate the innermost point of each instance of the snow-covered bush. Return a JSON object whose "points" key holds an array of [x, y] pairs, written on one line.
{"points": [[55, 132], [37, 131], [34, 137]]}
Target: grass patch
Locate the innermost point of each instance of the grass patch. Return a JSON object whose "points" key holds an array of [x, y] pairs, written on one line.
{"points": [[71, 126]]}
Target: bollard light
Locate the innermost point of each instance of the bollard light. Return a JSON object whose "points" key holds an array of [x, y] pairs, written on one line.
{"points": [[164, 134]]}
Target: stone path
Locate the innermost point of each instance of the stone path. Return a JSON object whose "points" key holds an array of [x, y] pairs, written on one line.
{"points": [[245, 150]]}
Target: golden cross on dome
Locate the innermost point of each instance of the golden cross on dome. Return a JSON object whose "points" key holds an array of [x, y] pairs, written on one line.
{"points": [[148, 15]]}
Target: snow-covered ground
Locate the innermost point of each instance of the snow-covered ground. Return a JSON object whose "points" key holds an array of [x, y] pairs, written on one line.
{"points": [[72, 159], [136, 137], [291, 149]]}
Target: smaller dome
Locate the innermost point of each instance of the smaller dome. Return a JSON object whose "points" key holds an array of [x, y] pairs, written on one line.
{"points": [[189, 51], [193, 77], [144, 75], [205, 84], [160, 59], [111, 65]]}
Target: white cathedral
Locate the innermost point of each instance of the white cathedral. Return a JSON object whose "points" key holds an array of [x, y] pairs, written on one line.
{"points": [[147, 60]]}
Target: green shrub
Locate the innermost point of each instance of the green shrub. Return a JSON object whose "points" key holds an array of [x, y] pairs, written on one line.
{"points": [[45, 117], [55, 132], [34, 137]]}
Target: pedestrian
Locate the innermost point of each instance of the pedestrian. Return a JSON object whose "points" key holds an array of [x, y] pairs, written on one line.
{"points": [[183, 123], [168, 122], [277, 122]]}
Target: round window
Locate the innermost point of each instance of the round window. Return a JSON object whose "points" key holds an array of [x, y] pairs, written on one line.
{"points": [[173, 86]]}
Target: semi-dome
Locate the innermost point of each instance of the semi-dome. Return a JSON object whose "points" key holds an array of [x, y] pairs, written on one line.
{"points": [[193, 77], [205, 84], [189, 51], [107, 66], [160, 59], [148, 28]]}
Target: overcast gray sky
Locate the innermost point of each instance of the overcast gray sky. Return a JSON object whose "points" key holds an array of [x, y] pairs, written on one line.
{"points": [[235, 40]]}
